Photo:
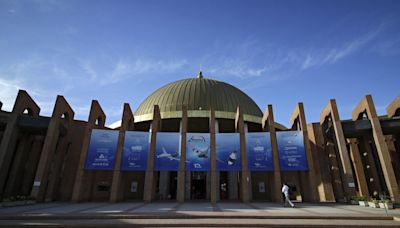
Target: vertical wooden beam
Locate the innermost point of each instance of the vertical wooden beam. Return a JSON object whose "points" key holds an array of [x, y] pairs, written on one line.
{"points": [[127, 124], [244, 177], [213, 170], [182, 162], [299, 115], [367, 105], [268, 123], [358, 167], [84, 179], [150, 180]]}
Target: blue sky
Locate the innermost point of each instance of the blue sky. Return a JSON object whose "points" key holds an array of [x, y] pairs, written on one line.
{"points": [[278, 52]]}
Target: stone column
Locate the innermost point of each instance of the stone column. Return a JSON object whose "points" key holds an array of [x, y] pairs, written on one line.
{"points": [[244, 178], [213, 169], [268, 124], [367, 105], [182, 163], [150, 180], [358, 167], [127, 124]]}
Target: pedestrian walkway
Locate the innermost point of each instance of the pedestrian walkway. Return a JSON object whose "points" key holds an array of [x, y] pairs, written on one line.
{"points": [[173, 214]]}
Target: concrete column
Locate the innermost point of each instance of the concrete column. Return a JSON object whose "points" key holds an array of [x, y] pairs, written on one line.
{"points": [[213, 170], [10, 135], [150, 182], [332, 111], [358, 167], [18, 164], [324, 185], [244, 177], [30, 168], [299, 115], [182, 163], [84, 179], [268, 123], [367, 105], [127, 123]]}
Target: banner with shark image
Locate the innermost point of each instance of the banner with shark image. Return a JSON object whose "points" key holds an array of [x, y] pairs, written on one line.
{"points": [[228, 151], [292, 156], [259, 151], [197, 151], [167, 153], [102, 150], [135, 151]]}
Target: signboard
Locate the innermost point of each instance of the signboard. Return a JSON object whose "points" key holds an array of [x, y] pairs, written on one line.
{"points": [[259, 151], [135, 151], [228, 151], [167, 153], [197, 151], [292, 156], [102, 150]]}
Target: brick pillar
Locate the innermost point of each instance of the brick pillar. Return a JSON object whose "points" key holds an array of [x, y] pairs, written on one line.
{"points": [[358, 167], [268, 123], [180, 197], [127, 123], [150, 180], [213, 168], [367, 105]]}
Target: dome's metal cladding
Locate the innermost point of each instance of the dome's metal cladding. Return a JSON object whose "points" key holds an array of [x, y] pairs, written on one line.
{"points": [[199, 95]]}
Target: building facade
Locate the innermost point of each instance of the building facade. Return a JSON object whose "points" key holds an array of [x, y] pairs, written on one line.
{"points": [[47, 157]]}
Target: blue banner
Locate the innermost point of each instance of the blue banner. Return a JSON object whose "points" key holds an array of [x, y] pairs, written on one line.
{"points": [[228, 151], [292, 156], [197, 151], [135, 151], [102, 150], [259, 151], [167, 153]]}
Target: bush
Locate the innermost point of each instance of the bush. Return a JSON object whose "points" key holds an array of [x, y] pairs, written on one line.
{"points": [[359, 198]]}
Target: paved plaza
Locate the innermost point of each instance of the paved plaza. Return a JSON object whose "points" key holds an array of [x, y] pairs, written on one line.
{"points": [[196, 214]]}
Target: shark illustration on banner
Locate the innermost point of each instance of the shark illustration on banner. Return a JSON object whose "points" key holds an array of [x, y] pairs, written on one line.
{"points": [[228, 151]]}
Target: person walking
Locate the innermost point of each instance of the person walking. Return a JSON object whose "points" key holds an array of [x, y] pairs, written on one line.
{"points": [[285, 191]]}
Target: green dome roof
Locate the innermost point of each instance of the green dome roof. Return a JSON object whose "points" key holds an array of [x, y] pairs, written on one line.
{"points": [[199, 95]]}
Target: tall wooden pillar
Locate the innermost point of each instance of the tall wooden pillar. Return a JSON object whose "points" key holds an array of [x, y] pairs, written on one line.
{"points": [[244, 177], [84, 178], [150, 180], [331, 113], [182, 162], [213, 157], [367, 106], [127, 124], [298, 116], [358, 167], [268, 123], [10, 135]]}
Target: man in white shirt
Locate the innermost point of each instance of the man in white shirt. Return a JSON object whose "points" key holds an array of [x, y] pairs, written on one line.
{"points": [[285, 191]]}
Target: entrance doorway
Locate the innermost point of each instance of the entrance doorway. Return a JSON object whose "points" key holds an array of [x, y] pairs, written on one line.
{"points": [[223, 186], [198, 185]]}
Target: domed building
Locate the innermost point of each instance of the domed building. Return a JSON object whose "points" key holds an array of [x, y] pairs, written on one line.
{"points": [[198, 139]]}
